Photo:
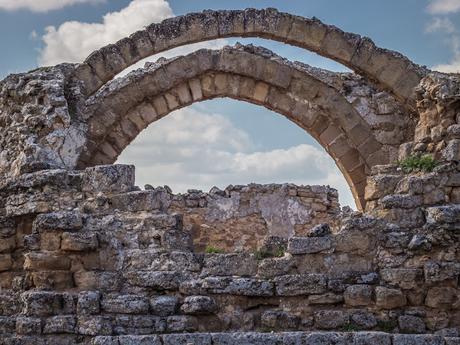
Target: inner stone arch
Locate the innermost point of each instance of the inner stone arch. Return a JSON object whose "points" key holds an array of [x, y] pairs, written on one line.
{"points": [[119, 111]]}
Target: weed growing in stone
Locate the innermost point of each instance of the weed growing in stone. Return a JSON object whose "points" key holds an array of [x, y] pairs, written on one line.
{"points": [[425, 163], [213, 250]]}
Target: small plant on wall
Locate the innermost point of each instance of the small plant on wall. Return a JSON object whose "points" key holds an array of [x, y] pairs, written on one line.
{"points": [[418, 162]]}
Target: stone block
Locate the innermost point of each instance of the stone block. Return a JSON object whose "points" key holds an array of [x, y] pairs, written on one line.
{"points": [[41, 303], [309, 245], [94, 325], [405, 278], [125, 304], [331, 319], [272, 267], [181, 323], [386, 298], [79, 241], [411, 324], [235, 264], [164, 305], [371, 338], [199, 305], [186, 339], [300, 284], [279, 320], [165, 280], [28, 326], [418, 339], [136, 201], [358, 295], [58, 221], [109, 179], [441, 297], [56, 280], [88, 302], [6, 262], [60, 324], [45, 261]]}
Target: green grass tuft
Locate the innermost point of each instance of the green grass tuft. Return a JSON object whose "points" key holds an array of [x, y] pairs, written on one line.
{"points": [[213, 250], [263, 254], [425, 163]]}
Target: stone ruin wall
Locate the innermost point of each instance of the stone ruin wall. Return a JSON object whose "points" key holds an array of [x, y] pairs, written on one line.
{"points": [[86, 257], [220, 219]]}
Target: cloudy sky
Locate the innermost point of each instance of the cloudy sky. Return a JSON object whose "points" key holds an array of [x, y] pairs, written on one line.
{"points": [[223, 142]]}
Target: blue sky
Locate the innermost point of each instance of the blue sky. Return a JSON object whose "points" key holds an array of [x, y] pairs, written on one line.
{"points": [[270, 148]]}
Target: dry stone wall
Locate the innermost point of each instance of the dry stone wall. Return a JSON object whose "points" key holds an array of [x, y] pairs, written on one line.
{"points": [[86, 257], [89, 257]]}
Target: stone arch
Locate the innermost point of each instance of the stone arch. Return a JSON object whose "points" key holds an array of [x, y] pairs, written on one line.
{"points": [[389, 70], [123, 108]]}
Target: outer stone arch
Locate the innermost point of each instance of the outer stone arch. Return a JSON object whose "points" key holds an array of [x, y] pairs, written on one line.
{"points": [[123, 108], [388, 69]]}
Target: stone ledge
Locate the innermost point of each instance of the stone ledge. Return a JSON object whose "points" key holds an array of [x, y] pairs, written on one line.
{"points": [[291, 338]]}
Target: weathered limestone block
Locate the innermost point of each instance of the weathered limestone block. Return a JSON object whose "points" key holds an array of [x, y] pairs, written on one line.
{"points": [[309, 245], [138, 324], [326, 298], [300, 284], [405, 278], [62, 220], [7, 325], [272, 267], [363, 320], [371, 338], [94, 325], [60, 324], [164, 305], [41, 303], [442, 297], [358, 295], [181, 323], [45, 261], [164, 280], [440, 215], [125, 304], [386, 298], [109, 178], [79, 242], [402, 339], [57, 280], [331, 319], [88, 302], [6, 262], [436, 272], [227, 285], [199, 305], [184, 339], [28, 326], [97, 280], [411, 324], [229, 265], [279, 320], [136, 201]]}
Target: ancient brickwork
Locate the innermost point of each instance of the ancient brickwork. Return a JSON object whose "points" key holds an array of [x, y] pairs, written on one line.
{"points": [[220, 219], [86, 253], [87, 257]]}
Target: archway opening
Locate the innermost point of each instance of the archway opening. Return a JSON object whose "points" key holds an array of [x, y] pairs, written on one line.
{"points": [[243, 177], [223, 141]]}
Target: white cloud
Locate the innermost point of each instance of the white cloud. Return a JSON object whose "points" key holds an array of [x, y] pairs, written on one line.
{"points": [[443, 6], [440, 25], [41, 5], [191, 149], [73, 41]]}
